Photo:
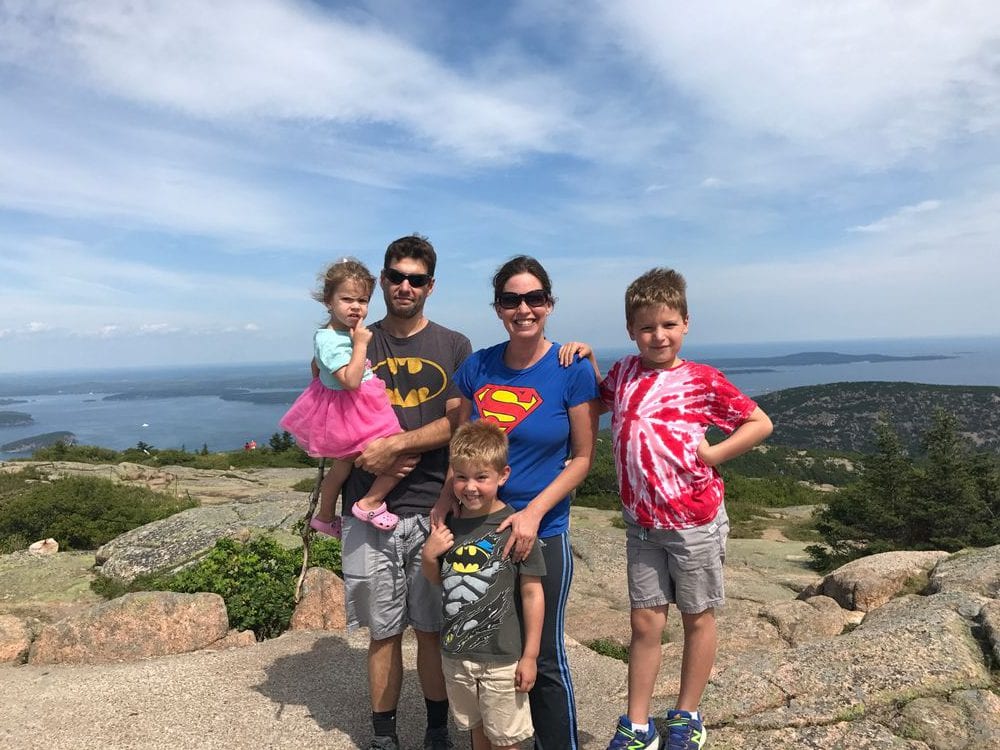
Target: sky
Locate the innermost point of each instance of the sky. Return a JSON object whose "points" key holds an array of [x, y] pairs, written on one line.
{"points": [[173, 175]]}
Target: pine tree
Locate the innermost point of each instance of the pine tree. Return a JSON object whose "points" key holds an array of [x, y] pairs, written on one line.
{"points": [[948, 512]]}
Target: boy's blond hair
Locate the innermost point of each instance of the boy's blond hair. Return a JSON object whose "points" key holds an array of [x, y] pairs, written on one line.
{"points": [[658, 286], [480, 444]]}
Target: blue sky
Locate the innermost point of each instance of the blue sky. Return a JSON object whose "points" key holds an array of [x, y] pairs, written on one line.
{"points": [[173, 175]]}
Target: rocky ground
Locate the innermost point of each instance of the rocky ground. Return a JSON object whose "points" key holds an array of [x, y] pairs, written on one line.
{"points": [[897, 651]]}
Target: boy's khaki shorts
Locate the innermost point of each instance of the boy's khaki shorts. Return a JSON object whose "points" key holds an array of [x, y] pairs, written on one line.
{"points": [[677, 566], [482, 692]]}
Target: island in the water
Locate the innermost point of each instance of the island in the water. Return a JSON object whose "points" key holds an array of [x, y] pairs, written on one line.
{"points": [[819, 358], [34, 442], [15, 419]]}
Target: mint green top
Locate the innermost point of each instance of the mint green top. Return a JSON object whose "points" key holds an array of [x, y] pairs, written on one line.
{"points": [[333, 350]]}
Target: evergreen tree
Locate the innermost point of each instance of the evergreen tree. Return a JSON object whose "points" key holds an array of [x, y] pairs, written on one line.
{"points": [[948, 512], [950, 500], [865, 517]]}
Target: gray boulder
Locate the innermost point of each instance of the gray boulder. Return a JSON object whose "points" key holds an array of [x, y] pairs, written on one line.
{"points": [[969, 570], [870, 582], [172, 543]]}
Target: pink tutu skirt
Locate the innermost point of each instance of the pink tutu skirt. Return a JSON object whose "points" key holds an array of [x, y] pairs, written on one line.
{"points": [[337, 424]]}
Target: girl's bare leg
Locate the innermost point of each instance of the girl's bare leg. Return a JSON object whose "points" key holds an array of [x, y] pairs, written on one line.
{"points": [[330, 489]]}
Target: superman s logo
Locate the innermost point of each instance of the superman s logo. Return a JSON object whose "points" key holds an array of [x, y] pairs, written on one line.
{"points": [[506, 405]]}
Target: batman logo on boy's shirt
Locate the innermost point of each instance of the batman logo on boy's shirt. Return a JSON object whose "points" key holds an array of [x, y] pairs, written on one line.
{"points": [[411, 381], [506, 405], [468, 558]]}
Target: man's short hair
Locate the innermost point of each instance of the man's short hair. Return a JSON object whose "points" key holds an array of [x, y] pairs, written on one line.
{"points": [[412, 246], [658, 286], [481, 444]]}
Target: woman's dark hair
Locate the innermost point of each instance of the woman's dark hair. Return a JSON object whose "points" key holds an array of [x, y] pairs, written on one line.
{"points": [[516, 265]]}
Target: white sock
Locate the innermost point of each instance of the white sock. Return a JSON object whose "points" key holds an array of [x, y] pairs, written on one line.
{"points": [[639, 727]]}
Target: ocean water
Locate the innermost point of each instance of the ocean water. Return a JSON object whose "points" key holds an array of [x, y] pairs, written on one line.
{"points": [[75, 401]]}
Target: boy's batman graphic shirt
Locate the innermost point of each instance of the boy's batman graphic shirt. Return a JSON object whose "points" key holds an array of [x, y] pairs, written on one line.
{"points": [[480, 589]]}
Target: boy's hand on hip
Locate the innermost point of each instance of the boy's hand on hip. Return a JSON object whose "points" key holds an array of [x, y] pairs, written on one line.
{"points": [[706, 454]]}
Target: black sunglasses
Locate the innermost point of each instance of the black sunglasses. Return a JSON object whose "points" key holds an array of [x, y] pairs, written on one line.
{"points": [[512, 301], [416, 280]]}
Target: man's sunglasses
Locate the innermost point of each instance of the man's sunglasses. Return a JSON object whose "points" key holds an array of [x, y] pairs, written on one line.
{"points": [[534, 298], [416, 280]]}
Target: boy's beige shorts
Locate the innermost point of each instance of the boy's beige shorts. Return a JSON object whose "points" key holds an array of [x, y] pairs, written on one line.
{"points": [[482, 692]]}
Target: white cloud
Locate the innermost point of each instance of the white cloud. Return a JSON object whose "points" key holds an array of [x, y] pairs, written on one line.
{"points": [[859, 81], [37, 327], [899, 218], [157, 328], [253, 59]]}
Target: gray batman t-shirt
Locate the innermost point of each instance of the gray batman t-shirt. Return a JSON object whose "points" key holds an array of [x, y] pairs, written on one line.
{"points": [[481, 588]]}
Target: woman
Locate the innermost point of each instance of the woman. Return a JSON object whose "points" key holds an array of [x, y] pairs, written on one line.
{"points": [[549, 413]]}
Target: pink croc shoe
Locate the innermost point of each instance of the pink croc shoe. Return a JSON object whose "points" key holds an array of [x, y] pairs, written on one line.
{"points": [[380, 518], [334, 528]]}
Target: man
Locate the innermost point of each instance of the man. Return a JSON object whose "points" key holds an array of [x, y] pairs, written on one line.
{"points": [[385, 589]]}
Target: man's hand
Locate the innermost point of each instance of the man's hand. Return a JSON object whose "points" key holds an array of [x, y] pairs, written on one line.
{"points": [[445, 504], [380, 457]]}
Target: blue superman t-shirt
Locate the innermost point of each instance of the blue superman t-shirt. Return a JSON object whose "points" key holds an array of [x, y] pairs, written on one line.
{"points": [[532, 406]]}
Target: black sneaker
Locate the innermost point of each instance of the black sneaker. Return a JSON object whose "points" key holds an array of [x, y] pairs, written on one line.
{"points": [[384, 742], [436, 738]]}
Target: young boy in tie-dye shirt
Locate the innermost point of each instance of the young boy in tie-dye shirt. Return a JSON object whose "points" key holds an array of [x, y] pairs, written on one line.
{"points": [[672, 498]]}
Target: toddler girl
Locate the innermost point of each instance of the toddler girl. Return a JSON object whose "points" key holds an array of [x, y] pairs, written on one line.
{"points": [[345, 406]]}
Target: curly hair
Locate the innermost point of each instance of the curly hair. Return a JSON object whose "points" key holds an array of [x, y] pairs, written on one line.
{"points": [[340, 271]]}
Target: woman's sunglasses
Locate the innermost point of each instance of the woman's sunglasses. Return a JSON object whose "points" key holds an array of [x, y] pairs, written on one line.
{"points": [[416, 280], [534, 298]]}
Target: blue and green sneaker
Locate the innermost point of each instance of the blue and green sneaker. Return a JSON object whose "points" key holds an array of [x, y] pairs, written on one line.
{"points": [[626, 739], [684, 731]]}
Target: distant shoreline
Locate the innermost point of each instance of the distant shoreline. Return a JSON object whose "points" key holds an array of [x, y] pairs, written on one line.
{"points": [[278, 384], [802, 359]]}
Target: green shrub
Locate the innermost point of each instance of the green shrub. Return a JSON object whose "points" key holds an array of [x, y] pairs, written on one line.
{"points": [[82, 512], [609, 647], [14, 543], [600, 487], [256, 580], [87, 454], [946, 499], [144, 453], [305, 485]]}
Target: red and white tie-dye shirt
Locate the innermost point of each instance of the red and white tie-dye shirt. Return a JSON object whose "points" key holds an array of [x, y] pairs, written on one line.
{"points": [[659, 418]]}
